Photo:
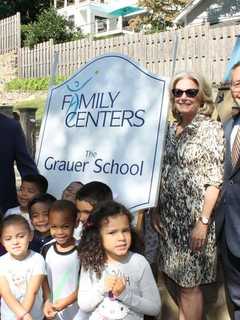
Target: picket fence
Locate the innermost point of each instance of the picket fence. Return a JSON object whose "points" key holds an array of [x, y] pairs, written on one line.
{"points": [[202, 49], [10, 34]]}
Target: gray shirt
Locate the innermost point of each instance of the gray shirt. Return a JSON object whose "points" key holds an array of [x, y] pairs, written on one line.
{"points": [[141, 294]]}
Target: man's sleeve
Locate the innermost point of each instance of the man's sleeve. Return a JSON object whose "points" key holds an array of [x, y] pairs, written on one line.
{"points": [[25, 163]]}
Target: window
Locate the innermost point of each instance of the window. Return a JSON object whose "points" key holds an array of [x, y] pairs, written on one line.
{"points": [[72, 19], [70, 2], [60, 4]]}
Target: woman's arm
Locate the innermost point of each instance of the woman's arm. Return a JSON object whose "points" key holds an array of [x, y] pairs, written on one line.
{"points": [[213, 168], [90, 292], [33, 287], [199, 233], [10, 299], [148, 302]]}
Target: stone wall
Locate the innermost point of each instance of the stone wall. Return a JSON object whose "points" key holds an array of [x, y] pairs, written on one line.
{"points": [[8, 68]]}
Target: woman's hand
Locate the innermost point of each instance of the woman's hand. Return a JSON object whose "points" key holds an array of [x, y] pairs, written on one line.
{"points": [[198, 237], [155, 220]]}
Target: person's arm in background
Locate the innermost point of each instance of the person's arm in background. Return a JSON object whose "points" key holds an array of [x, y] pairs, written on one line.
{"points": [[24, 161]]}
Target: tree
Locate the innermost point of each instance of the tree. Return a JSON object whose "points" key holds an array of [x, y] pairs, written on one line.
{"points": [[49, 25], [29, 9], [160, 13]]}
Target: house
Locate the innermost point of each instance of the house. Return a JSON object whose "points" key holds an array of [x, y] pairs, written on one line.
{"points": [[214, 12], [99, 17]]}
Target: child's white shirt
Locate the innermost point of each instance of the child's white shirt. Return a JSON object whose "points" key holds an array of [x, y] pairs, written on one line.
{"points": [[18, 274], [63, 278]]}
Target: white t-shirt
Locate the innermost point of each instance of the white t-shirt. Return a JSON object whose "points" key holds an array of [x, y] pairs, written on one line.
{"points": [[18, 274], [17, 210], [63, 278]]}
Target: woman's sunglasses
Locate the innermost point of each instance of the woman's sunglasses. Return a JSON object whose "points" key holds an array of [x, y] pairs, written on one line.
{"points": [[190, 93]]}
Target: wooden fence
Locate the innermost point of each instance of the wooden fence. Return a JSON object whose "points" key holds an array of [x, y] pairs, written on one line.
{"points": [[201, 48], [10, 34]]}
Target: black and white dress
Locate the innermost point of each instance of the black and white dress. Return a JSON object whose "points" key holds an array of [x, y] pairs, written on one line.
{"points": [[192, 161]]}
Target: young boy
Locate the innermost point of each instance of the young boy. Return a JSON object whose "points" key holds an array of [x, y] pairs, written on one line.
{"points": [[38, 209], [21, 272], [31, 186], [69, 193], [87, 198], [63, 265]]}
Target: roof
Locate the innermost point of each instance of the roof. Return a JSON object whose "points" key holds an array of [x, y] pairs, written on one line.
{"points": [[186, 10]]}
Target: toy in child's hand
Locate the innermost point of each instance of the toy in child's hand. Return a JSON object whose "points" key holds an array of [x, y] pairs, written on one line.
{"points": [[109, 309]]}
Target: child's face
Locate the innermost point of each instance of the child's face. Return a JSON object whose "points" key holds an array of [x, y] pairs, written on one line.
{"points": [[27, 191], [39, 217], [61, 227], [70, 192], [116, 237], [15, 239], [84, 210]]}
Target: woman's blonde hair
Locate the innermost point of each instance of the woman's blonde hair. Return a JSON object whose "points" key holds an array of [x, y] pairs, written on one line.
{"points": [[205, 93]]}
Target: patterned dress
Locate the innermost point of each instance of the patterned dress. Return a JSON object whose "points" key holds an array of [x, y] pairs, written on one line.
{"points": [[192, 161]]}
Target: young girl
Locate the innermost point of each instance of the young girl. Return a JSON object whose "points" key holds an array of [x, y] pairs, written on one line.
{"points": [[111, 274], [21, 272]]}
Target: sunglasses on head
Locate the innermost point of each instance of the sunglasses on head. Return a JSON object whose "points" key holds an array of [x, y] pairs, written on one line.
{"points": [[190, 93]]}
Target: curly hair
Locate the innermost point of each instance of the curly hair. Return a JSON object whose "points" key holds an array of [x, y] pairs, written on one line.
{"points": [[91, 251], [205, 93]]}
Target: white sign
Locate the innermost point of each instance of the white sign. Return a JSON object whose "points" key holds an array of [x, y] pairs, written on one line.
{"points": [[106, 123]]}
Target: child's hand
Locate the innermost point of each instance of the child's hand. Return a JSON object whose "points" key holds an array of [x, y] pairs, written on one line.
{"points": [[115, 284], [109, 283], [58, 305], [49, 310], [119, 286], [27, 317]]}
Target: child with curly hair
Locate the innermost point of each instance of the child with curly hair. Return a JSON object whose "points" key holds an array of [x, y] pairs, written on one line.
{"points": [[114, 278]]}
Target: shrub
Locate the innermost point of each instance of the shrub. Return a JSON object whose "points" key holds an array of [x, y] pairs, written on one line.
{"points": [[32, 84]]}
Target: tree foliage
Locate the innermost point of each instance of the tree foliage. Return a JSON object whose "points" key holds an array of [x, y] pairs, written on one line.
{"points": [[29, 9], [160, 14], [49, 25]]}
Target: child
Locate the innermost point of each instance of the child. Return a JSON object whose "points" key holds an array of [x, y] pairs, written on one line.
{"points": [[62, 264], [31, 186], [110, 272], [69, 193], [38, 209], [87, 198], [21, 272]]}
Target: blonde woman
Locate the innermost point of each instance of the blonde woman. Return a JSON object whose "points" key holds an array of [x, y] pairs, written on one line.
{"points": [[191, 177]]}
